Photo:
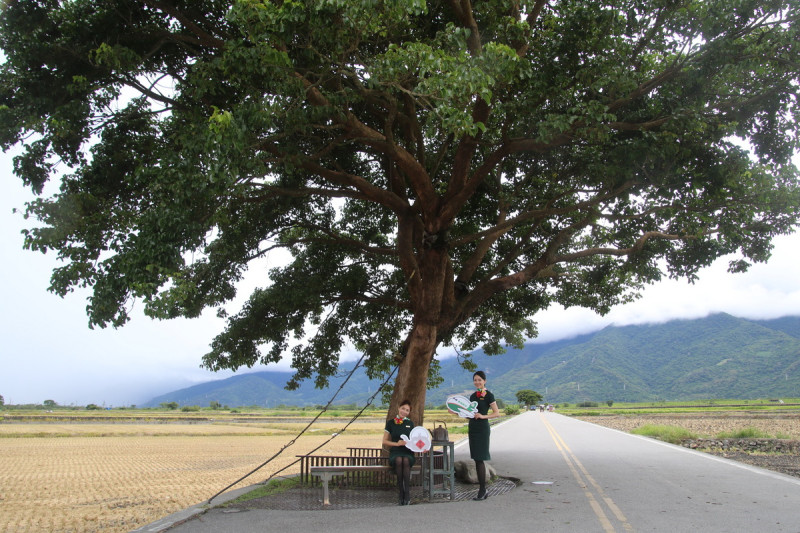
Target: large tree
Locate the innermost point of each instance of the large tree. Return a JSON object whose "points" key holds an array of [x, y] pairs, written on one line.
{"points": [[438, 171], [528, 397]]}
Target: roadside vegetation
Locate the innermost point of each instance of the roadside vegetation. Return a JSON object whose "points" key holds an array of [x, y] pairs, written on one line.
{"points": [[751, 433], [672, 434], [677, 407], [276, 486], [677, 434]]}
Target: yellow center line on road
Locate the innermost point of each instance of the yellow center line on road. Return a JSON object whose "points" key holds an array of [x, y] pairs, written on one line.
{"points": [[573, 462]]}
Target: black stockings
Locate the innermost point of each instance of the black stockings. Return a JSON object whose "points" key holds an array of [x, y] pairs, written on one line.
{"points": [[402, 468], [480, 469]]}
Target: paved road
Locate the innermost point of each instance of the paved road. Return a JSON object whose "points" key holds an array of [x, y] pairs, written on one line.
{"points": [[574, 477]]}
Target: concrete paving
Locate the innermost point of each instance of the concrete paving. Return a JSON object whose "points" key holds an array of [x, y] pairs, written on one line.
{"points": [[573, 476]]}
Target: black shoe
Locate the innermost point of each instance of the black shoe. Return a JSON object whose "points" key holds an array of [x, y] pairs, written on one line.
{"points": [[482, 495]]}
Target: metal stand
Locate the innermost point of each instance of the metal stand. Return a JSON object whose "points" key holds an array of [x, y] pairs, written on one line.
{"points": [[439, 464]]}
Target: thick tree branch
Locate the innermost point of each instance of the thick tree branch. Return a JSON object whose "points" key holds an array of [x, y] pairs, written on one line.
{"points": [[369, 191], [357, 130], [366, 190], [407, 235], [478, 256], [467, 19], [543, 267], [522, 47], [204, 37], [144, 91], [480, 113], [620, 252], [390, 302], [339, 240], [268, 192]]}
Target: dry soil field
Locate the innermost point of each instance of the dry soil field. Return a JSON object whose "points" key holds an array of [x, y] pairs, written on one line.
{"points": [[116, 477], [708, 425]]}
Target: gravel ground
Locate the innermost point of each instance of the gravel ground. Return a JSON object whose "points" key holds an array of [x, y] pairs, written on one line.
{"points": [[711, 425], [788, 464]]}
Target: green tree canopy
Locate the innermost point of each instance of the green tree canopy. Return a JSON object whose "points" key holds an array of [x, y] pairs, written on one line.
{"points": [[438, 171], [528, 397]]}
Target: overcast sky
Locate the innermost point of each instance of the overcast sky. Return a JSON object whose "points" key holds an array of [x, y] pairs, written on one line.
{"points": [[49, 353]]}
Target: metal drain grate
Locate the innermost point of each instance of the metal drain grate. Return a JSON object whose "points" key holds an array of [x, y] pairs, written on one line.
{"points": [[500, 486]]}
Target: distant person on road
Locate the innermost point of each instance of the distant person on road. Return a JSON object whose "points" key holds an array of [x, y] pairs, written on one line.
{"points": [[401, 458], [479, 429]]}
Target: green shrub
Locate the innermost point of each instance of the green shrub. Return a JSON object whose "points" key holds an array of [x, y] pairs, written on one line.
{"points": [[511, 410], [746, 433], [273, 487], [190, 408], [673, 434]]}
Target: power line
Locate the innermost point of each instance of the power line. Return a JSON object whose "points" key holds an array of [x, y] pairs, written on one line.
{"points": [[291, 442]]}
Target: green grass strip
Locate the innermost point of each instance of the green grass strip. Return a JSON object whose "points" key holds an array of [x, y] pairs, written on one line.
{"points": [[271, 488], [672, 434]]}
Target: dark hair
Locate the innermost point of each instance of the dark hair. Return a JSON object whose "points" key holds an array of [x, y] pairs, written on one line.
{"points": [[480, 373], [404, 402]]}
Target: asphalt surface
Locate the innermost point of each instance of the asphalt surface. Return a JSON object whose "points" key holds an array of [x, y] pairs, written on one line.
{"points": [[573, 476]]}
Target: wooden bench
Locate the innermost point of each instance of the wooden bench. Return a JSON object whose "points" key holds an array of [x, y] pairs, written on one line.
{"points": [[326, 473], [367, 452], [370, 477]]}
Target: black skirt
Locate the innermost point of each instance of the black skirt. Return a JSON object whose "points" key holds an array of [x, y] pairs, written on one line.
{"points": [[479, 432]]}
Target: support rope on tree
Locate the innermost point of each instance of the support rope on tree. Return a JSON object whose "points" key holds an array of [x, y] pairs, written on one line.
{"points": [[323, 410]]}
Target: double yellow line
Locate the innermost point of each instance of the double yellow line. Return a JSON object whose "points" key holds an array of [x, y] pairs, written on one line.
{"points": [[585, 479]]}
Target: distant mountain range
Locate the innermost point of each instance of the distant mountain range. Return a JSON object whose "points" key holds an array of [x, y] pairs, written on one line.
{"points": [[720, 356]]}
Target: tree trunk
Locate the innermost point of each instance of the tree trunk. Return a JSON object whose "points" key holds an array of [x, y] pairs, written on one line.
{"points": [[429, 297], [412, 375]]}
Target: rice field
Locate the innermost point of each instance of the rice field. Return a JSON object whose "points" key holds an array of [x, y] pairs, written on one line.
{"points": [[116, 477]]}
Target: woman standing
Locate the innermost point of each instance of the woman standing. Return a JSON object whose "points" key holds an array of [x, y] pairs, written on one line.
{"points": [[479, 430], [401, 458]]}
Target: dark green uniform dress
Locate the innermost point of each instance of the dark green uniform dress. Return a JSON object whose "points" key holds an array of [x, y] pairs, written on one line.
{"points": [[395, 430], [479, 429]]}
